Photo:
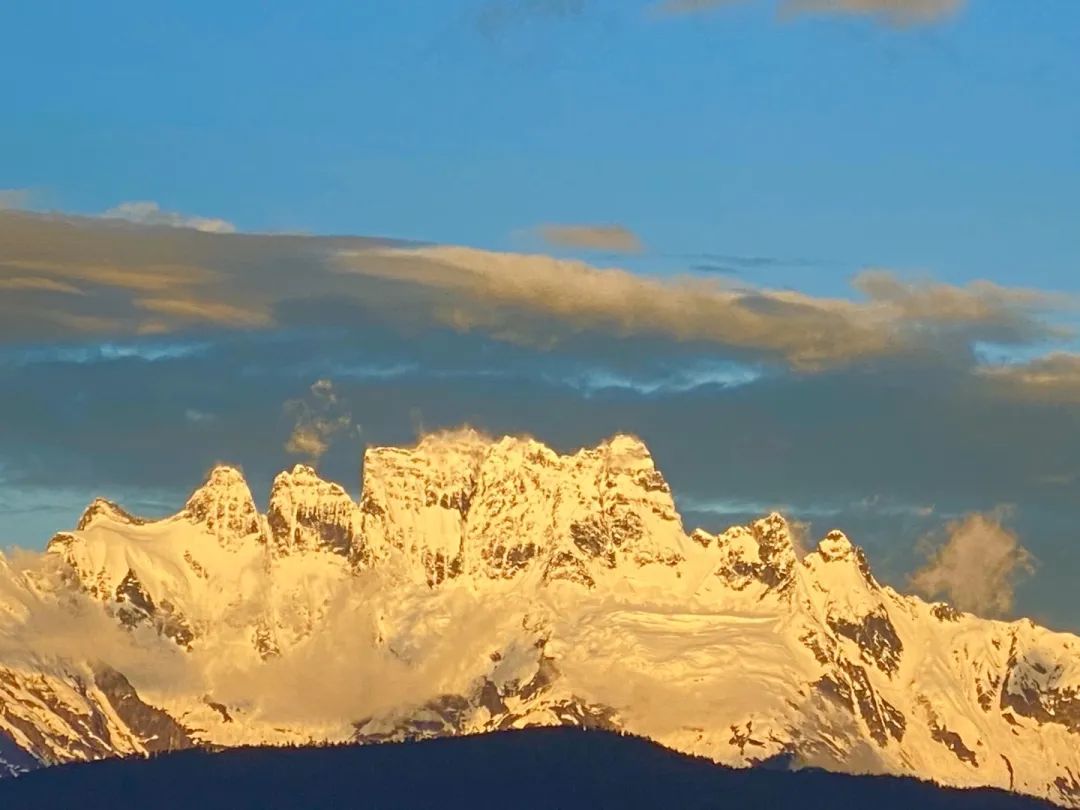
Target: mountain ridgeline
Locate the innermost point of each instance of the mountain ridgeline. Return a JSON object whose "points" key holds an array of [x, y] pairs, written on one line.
{"points": [[536, 768], [480, 586]]}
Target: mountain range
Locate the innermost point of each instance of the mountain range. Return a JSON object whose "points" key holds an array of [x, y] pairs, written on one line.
{"points": [[481, 585]]}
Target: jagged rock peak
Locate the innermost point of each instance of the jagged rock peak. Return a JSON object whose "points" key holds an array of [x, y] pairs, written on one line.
{"points": [[773, 533], [307, 512], [301, 476], [225, 475], [761, 555], [470, 441], [102, 509], [836, 546], [626, 443], [835, 550], [224, 506], [462, 502]]}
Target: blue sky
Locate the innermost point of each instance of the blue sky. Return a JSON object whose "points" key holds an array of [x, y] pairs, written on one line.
{"points": [[946, 149], [851, 247]]}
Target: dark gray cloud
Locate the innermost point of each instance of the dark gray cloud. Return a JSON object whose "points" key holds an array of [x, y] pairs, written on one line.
{"points": [[1052, 378]]}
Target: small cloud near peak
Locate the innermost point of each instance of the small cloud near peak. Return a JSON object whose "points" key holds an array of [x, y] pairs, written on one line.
{"points": [[607, 238], [977, 565], [320, 417]]}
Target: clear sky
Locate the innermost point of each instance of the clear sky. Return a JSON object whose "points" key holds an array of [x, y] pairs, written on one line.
{"points": [[851, 237]]}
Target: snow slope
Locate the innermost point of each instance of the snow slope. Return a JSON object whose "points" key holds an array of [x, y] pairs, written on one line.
{"points": [[481, 585]]}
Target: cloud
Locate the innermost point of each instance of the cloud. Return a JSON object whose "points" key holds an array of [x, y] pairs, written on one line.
{"points": [[895, 12], [32, 283], [691, 6], [14, 198], [609, 238], [77, 628], [1054, 378], [538, 299], [495, 16], [979, 303], [193, 310], [146, 212], [977, 566], [146, 277], [139, 280], [320, 417]]}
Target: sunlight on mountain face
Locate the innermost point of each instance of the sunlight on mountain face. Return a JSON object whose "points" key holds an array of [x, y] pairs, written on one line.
{"points": [[484, 584]]}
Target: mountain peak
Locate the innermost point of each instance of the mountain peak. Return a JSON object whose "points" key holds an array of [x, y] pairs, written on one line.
{"points": [[627, 443], [223, 505], [460, 439], [834, 555], [774, 533], [758, 556], [102, 509], [835, 546], [306, 512], [225, 475]]}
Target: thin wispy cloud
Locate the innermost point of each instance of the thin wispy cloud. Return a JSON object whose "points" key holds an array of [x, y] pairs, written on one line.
{"points": [[14, 198], [895, 12], [496, 16], [174, 312], [603, 238], [32, 283], [146, 212]]}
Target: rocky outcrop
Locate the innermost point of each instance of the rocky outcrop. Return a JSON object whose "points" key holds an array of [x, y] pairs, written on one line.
{"points": [[306, 513]]}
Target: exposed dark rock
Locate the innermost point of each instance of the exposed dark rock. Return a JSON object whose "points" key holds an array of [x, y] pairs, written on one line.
{"points": [[155, 728], [876, 637], [1048, 704], [103, 508], [955, 743], [852, 688], [945, 612]]}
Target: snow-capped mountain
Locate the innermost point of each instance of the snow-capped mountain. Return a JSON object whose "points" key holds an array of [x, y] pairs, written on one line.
{"points": [[481, 585]]}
